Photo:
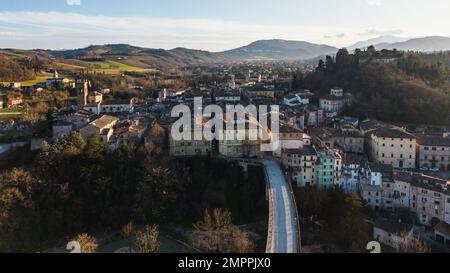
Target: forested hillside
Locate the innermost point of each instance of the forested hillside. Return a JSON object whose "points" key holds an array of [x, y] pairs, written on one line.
{"points": [[12, 70], [408, 90]]}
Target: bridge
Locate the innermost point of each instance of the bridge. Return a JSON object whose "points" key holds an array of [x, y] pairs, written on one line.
{"points": [[283, 234]]}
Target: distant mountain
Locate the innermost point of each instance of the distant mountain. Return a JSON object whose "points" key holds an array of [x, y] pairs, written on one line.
{"points": [[426, 44], [273, 50], [280, 50], [378, 42], [145, 57]]}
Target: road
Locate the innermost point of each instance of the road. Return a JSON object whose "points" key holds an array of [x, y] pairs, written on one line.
{"points": [[284, 229], [283, 232]]}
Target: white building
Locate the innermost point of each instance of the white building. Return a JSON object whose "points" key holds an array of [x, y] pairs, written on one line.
{"points": [[351, 168], [295, 100], [336, 102], [302, 164], [388, 232], [105, 107]]}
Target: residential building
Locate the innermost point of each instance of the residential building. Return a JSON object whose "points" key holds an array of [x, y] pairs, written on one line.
{"points": [[329, 168], [372, 195], [61, 130], [240, 142], [394, 146], [336, 102], [447, 206], [295, 100], [388, 232], [108, 107], [347, 139], [302, 164], [78, 118], [425, 196], [103, 127], [14, 99], [351, 168], [429, 199], [434, 152], [291, 137], [372, 178], [191, 146], [227, 96], [442, 233]]}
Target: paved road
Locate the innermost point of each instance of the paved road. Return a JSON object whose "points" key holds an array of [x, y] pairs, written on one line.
{"points": [[283, 229], [283, 225]]}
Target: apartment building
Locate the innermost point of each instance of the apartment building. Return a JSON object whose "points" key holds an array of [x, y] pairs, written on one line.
{"points": [[329, 168], [347, 138], [394, 146], [373, 177], [191, 146], [425, 196], [291, 137], [241, 141], [429, 199], [302, 164], [434, 152], [351, 167]]}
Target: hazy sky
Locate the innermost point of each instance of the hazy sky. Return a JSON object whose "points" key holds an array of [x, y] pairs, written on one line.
{"points": [[214, 24]]}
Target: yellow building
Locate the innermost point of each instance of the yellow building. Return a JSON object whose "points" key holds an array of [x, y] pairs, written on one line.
{"points": [[190, 147], [239, 142], [394, 146]]}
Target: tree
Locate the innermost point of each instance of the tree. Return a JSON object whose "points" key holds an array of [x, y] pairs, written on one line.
{"points": [[321, 67], [17, 208], [127, 230], [87, 243], [217, 234], [330, 65], [147, 239], [156, 194], [409, 243], [353, 232], [158, 135], [371, 51], [343, 58]]}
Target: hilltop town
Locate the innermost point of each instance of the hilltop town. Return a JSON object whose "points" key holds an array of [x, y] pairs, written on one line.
{"points": [[390, 178]]}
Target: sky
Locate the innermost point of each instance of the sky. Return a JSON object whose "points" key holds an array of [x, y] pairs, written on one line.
{"points": [[214, 25]]}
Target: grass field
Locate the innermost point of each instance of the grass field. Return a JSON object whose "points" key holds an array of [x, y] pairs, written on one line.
{"points": [[113, 67], [39, 78], [107, 67]]}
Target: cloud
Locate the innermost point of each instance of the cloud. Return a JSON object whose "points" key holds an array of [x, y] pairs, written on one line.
{"points": [[59, 30], [73, 2], [377, 32], [374, 2], [338, 36]]}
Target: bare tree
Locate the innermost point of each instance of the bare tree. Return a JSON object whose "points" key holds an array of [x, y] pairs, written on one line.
{"points": [[127, 230], [409, 243], [147, 239], [217, 234], [88, 244]]}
